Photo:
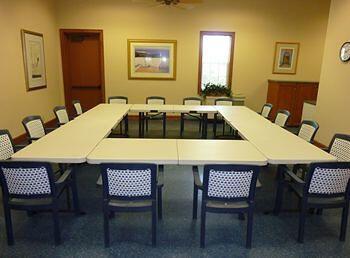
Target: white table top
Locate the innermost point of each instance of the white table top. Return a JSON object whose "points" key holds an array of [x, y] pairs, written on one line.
{"points": [[158, 151], [151, 108], [277, 144], [194, 108], [71, 143], [200, 152]]}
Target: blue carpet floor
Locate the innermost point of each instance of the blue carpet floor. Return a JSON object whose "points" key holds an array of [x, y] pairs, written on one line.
{"points": [[178, 234]]}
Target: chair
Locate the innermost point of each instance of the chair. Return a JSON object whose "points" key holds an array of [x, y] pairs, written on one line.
{"points": [[129, 188], [77, 107], [326, 187], [229, 189], [266, 110], [196, 101], [121, 100], [308, 130], [340, 147], [156, 100], [31, 186], [61, 115], [7, 147], [217, 117], [34, 127], [282, 117]]}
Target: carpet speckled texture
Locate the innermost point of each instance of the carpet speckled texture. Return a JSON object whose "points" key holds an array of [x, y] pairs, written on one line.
{"points": [[178, 234]]}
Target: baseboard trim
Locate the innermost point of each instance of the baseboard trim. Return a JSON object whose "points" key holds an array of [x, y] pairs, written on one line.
{"points": [[23, 137]]}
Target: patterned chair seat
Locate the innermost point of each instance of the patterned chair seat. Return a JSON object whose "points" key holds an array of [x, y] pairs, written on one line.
{"points": [[227, 205], [31, 202], [130, 204]]}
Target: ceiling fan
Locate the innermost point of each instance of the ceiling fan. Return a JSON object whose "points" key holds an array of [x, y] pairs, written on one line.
{"points": [[182, 4]]}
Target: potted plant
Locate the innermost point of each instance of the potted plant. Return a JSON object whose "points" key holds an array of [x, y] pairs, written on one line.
{"points": [[212, 89]]}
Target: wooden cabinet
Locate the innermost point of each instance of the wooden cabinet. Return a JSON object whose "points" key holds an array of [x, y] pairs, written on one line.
{"points": [[290, 95]]}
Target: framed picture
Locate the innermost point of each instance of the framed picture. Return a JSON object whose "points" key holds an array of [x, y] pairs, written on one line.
{"points": [[286, 58], [34, 59], [152, 59]]}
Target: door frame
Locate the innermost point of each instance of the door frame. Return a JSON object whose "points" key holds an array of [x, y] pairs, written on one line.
{"points": [[64, 56]]}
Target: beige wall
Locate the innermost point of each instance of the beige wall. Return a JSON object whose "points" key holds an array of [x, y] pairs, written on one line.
{"points": [[332, 110], [16, 102], [258, 25]]}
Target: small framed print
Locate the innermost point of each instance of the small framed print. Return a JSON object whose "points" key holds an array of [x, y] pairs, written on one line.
{"points": [[151, 59], [286, 58], [34, 59]]}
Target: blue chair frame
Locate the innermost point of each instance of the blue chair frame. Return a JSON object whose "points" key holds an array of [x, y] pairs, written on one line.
{"points": [[158, 116], [248, 208], [267, 105], [216, 118], [107, 198], [283, 111], [126, 117], [25, 201], [188, 116], [32, 118]]}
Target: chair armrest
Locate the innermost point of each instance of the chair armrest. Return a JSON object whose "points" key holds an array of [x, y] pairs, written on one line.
{"points": [[196, 177], [293, 176], [64, 177]]}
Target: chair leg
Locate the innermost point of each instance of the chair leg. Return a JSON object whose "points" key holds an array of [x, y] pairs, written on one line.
{"points": [[68, 198], [160, 203], [164, 124], [8, 222], [182, 124], [302, 216], [241, 216], [344, 221], [195, 202], [56, 222], [215, 125], [200, 125], [106, 226], [154, 224], [203, 218], [249, 228], [126, 125], [75, 193], [146, 120], [223, 127]]}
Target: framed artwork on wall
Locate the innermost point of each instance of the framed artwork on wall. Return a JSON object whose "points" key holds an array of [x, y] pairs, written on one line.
{"points": [[34, 59], [151, 59], [286, 58]]}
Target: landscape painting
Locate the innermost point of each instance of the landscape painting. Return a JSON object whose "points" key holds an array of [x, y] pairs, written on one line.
{"points": [[152, 59]]}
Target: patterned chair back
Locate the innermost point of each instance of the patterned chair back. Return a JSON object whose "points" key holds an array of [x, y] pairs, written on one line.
{"points": [[229, 182], [129, 181], [224, 102], [118, 100], [328, 179], [27, 179], [155, 100], [282, 117], [308, 130], [61, 115], [340, 147], [195, 101], [77, 107], [34, 127], [6, 145], [266, 109]]}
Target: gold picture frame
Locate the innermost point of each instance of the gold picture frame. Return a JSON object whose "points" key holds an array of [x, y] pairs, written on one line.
{"points": [[150, 59], [34, 59], [286, 58]]}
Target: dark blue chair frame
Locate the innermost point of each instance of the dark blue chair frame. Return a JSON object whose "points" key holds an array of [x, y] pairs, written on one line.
{"points": [[108, 209], [75, 102], [188, 116], [126, 117], [15, 147], [66, 181], [250, 199], [267, 105], [314, 124], [216, 120], [55, 110], [31, 118], [301, 189], [283, 111], [158, 116], [345, 137]]}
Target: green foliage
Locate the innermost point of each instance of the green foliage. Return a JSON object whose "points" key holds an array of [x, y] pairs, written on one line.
{"points": [[211, 89]]}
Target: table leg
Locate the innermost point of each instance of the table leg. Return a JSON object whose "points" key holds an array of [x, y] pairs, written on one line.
{"points": [[142, 125], [140, 118], [164, 124], [205, 126]]}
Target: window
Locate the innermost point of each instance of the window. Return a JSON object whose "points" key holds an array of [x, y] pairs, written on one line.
{"points": [[215, 58]]}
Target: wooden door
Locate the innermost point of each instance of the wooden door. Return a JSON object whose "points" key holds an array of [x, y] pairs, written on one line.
{"points": [[83, 67]]}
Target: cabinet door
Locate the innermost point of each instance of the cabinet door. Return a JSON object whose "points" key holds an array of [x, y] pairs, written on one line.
{"points": [[306, 91], [286, 97]]}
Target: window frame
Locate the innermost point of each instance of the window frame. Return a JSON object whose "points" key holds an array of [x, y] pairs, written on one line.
{"points": [[230, 66]]}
